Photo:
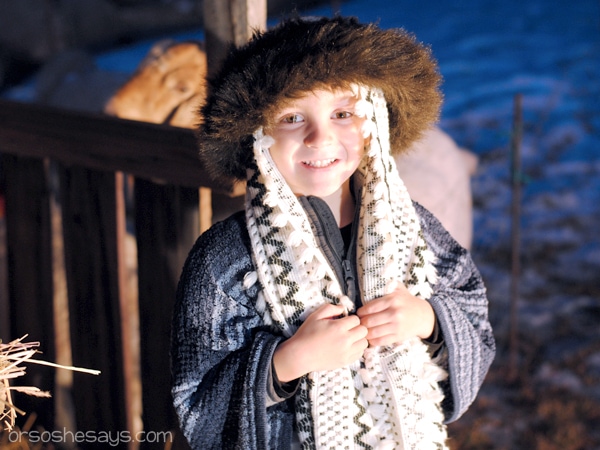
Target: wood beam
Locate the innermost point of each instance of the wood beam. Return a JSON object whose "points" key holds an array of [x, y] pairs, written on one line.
{"points": [[155, 152]]}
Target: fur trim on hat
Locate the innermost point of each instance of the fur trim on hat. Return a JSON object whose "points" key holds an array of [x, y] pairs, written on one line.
{"points": [[300, 55]]}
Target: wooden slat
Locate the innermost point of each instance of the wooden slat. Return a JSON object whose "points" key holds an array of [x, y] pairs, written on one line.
{"points": [[30, 280], [91, 261], [166, 220], [128, 301], [96, 141], [64, 413]]}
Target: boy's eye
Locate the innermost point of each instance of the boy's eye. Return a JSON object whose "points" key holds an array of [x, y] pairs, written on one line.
{"points": [[292, 118], [343, 115]]}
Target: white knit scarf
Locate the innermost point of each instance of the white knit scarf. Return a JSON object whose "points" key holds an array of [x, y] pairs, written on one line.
{"points": [[390, 398]]}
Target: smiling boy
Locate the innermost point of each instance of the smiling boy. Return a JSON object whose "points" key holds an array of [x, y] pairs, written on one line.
{"points": [[333, 312], [318, 145]]}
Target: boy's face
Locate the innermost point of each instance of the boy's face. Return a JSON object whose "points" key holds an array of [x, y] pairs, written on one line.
{"points": [[318, 141]]}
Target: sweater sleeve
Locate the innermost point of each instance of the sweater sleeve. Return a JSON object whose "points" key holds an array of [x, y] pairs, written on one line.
{"points": [[461, 307], [221, 352]]}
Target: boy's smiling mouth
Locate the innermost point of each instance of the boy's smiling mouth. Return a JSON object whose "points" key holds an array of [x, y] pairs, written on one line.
{"points": [[320, 163]]}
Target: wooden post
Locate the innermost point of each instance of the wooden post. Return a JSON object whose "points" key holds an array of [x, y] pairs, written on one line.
{"points": [[230, 22], [246, 16], [226, 23], [517, 180]]}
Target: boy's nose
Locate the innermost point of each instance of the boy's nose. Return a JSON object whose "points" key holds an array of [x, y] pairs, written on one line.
{"points": [[319, 136]]}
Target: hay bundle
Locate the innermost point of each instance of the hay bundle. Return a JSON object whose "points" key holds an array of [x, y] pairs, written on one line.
{"points": [[12, 357]]}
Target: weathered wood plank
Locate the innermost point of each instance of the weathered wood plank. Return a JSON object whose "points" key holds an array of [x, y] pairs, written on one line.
{"points": [[91, 260], [96, 141], [166, 221], [29, 276]]}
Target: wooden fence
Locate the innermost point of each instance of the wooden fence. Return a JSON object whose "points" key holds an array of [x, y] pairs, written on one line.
{"points": [[57, 164], [99, 214]]}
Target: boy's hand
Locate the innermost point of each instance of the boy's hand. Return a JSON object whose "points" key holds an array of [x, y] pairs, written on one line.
{"points": [[396, 317], [325, 341]]}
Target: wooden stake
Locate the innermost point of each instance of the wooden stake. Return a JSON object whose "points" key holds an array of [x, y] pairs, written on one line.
{"points": [[128, 303], [226, 23], [516, 181], [63, 382]]}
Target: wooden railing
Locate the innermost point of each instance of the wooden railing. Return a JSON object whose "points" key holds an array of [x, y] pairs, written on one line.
{"points": [[101, 142], [64, 182]]}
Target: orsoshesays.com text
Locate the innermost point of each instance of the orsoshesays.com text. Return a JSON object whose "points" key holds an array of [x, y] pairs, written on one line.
{"points": [[112, 438]]}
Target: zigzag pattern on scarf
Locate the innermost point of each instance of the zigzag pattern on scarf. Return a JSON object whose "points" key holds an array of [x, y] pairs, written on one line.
{"points": [[390, 399], [274, 259]]}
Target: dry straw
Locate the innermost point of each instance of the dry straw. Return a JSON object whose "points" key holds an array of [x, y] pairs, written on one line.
{"points": [[12, 356]]}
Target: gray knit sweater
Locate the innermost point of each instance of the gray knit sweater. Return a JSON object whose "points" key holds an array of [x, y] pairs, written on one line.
{"points": [[221, 350]]}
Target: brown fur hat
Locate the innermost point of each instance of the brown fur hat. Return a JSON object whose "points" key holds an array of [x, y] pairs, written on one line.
{"points": [[299, 55]]}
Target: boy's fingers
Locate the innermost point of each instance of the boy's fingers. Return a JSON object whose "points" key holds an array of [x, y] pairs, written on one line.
{"points": [[374, 306], [382, 303], [329, 311]]}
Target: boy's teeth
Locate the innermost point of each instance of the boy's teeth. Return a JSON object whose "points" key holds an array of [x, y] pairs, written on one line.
{"points": [[322, 163]]}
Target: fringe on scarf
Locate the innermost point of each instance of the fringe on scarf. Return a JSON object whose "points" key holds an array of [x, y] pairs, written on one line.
{"points": [[390, 398]]}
